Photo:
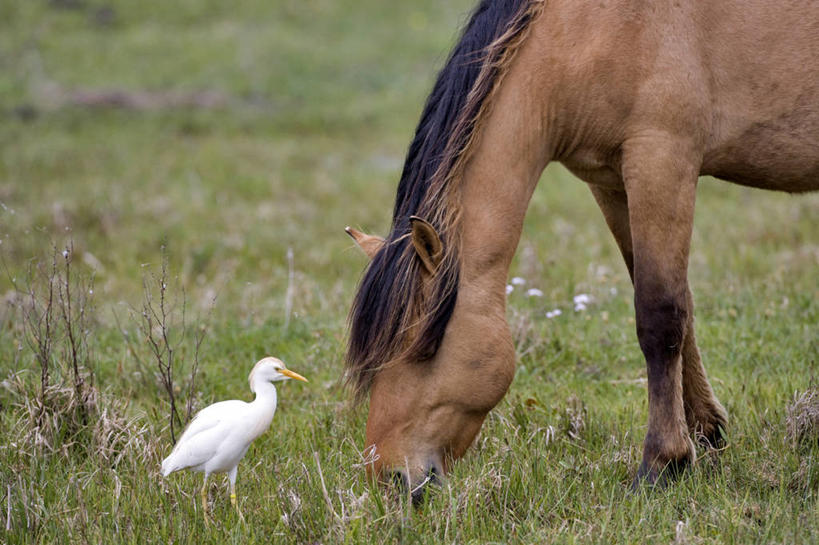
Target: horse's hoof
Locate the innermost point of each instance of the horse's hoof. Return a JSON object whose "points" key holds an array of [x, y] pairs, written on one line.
{"points": [[647, 478], [715, 439], [708, 426], [651, 478]]}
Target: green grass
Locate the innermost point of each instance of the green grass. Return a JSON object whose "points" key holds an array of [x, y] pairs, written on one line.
{"points": [[319, 102]]}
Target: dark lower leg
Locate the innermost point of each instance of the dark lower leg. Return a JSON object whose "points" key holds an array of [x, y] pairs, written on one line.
{"points": [[668, 447]]}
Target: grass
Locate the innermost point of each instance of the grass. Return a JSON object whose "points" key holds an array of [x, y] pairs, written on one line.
{"points": [[316, 104]]}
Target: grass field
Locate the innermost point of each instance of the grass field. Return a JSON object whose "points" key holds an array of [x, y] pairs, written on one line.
{"points": [[240, 130]]}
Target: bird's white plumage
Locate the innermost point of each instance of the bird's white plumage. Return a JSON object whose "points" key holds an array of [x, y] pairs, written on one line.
{"points": [[219, 435]]}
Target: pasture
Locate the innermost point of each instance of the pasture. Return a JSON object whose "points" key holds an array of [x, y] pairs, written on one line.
{"points": [[235, 134]]}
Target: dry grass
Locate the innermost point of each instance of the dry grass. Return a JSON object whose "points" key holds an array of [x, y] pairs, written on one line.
{"points": [[802, 420], [56, 427]]}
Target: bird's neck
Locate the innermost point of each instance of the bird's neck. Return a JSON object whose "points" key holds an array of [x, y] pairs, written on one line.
{"points": [[265, 394]]}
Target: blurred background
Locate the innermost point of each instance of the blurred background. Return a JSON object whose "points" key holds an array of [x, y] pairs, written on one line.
{"points": [[229, 131]]}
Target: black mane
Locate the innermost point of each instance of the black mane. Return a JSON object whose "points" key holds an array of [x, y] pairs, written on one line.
{"points": [[381, 310]]}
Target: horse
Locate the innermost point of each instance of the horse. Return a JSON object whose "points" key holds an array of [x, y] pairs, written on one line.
{"points": [[637, 99]]}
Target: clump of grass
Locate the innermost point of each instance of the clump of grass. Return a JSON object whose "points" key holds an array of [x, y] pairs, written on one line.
{"points": [[61, 412], [574, 418], [107, 434], [802, 420], [56, 313]]}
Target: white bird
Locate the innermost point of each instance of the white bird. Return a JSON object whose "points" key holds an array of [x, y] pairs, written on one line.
{"points": [[219, 435]]}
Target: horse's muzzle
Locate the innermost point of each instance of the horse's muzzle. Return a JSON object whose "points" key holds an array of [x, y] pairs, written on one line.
{"points": [[418, 491]]}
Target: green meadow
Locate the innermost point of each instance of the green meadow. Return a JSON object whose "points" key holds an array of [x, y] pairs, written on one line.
{"points": [[219, 138]]}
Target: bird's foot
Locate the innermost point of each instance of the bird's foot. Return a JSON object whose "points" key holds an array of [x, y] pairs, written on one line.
{"points": [[236, 505]]}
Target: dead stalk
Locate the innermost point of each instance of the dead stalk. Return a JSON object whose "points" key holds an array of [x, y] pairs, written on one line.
{"points": [[38, 320], [164, 336], [199, 337], [54, 313], [74, 324], [324, 487], [156, 329]]}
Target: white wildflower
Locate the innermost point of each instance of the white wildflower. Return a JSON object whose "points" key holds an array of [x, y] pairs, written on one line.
{"points": [[554, 313], [534, 292], [509, 288], [518, 281], [582, 299]]}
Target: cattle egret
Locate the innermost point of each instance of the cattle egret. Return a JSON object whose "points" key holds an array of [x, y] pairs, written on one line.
{"points": [[219, 435]]}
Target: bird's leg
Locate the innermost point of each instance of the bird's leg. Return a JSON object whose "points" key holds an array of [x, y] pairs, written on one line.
{"points": [[232, 478], [204, 494]]}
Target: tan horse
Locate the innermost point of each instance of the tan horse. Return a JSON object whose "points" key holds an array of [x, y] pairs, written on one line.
{"points": [[636, 98]]}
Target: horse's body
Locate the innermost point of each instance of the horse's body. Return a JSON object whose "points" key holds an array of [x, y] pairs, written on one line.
{"points": [[637, 99]]}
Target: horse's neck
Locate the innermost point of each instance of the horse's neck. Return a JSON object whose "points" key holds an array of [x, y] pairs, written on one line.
{"points": [[510, 153]]}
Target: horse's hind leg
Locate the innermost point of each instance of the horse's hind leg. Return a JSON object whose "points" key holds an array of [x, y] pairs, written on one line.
{"points": [[704, 415]]}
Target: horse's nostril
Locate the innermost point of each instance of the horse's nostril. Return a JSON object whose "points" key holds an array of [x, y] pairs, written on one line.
{"points": [[433, 475], [400, 480], [419, 493]]}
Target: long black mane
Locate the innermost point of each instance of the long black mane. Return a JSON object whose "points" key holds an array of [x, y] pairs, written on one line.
{"points": [[388, 302]]}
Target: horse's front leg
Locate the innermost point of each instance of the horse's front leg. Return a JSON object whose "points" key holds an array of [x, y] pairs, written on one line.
{"points": [[660, 175], [704, 414]]}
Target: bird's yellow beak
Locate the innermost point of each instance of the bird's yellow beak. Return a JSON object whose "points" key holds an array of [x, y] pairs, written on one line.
{"points": [[291, 374]]}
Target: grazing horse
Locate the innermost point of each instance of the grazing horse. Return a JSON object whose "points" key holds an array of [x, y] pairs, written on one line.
{"points": [[637, 99]]}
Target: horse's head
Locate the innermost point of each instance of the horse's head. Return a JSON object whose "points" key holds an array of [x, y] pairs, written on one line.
{"points": [[426, 409]]}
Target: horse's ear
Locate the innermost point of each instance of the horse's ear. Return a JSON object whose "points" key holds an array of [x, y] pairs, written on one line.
{"points": [[369, 243], [427, 243]]}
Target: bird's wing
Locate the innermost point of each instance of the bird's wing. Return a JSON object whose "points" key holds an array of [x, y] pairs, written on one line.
{"points": [[201, 439], [209, 417]]}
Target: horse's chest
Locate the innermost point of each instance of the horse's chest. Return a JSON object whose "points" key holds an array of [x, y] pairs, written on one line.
{"points": [[594, 168]]}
